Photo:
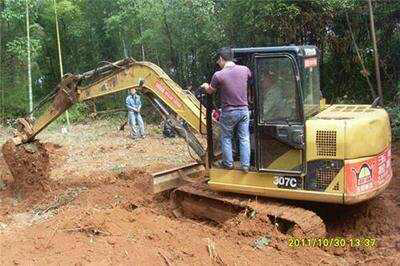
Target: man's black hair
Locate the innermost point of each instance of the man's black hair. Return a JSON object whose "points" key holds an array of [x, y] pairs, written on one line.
{"points": [[226, 53]]}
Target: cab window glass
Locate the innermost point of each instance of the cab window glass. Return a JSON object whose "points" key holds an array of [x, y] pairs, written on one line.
{"points": [[311, 87], [277, 90]]}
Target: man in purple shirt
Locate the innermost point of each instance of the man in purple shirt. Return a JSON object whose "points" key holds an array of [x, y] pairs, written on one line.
{"points": [[232, 82]]}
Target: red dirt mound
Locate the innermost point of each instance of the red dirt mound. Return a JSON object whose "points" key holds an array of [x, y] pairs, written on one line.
{"points": [[29, 165], [57, 154]]}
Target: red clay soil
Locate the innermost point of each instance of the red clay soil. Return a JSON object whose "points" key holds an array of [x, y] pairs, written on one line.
{"points": [[119, 222], [29, 165], [112, 218], [376, 219], [30, 185]]}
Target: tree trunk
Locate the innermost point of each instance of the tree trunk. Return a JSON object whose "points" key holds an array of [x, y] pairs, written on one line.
{"points": [[29, 61], [141, 43], [1, 73], [124, 45], [378, 74], [172, 51], [59, 55]]}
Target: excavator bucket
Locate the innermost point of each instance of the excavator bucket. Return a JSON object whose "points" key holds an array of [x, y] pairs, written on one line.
{"points": [[29, 165]]}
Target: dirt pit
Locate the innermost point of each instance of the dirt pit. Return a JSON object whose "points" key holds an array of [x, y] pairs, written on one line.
{"points": [[29, 165]]}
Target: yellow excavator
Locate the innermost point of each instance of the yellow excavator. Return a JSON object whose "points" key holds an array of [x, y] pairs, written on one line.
{"points": [[301, 148]]}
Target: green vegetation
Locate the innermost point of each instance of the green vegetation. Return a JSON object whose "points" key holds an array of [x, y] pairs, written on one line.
{"points": [[182, 35]]}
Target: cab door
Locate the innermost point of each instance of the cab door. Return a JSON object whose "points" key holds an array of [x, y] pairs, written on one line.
{"points": [[280, 130]]}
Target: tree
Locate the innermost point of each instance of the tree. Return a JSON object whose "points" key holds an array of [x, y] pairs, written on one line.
{"points": [[181, 37]]}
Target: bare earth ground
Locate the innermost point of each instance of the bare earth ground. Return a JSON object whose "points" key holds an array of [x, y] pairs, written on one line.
{"points": [[99, 211]]}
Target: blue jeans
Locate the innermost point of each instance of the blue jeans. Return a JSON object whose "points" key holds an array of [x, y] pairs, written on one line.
{"points": [[136, 122], [235, 119]]}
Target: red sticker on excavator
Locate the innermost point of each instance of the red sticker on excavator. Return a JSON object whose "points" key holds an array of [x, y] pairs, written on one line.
{"points": [[168, 95], [369, 174], [310, 62]]}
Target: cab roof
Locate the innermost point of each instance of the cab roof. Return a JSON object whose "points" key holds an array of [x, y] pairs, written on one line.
{"points": [[277, 49]]}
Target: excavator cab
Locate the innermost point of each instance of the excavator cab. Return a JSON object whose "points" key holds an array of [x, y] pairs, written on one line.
{"points": [[285, 83], [300, 148]]}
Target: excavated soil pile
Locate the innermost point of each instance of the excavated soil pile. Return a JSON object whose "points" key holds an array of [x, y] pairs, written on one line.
{"points": [[29, 165], [57, 154]]}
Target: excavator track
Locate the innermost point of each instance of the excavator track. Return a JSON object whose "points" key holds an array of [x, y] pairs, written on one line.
{"points": [[197, 200]]}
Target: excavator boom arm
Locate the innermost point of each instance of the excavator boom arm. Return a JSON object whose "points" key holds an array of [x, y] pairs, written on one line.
{"points": [[115, 77], [155, 82]]}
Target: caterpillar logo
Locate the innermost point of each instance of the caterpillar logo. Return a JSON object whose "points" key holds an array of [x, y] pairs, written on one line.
{"points": [[364, 178]]}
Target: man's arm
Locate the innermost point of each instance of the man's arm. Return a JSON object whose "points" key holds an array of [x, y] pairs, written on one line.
{"points": [[211, 88], [249, 76], [140, 104], [129, 104], [250, 80], [208, 88]]}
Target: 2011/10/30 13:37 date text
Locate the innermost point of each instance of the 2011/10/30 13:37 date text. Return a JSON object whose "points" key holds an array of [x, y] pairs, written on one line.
{"points": [[332, 242]]}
